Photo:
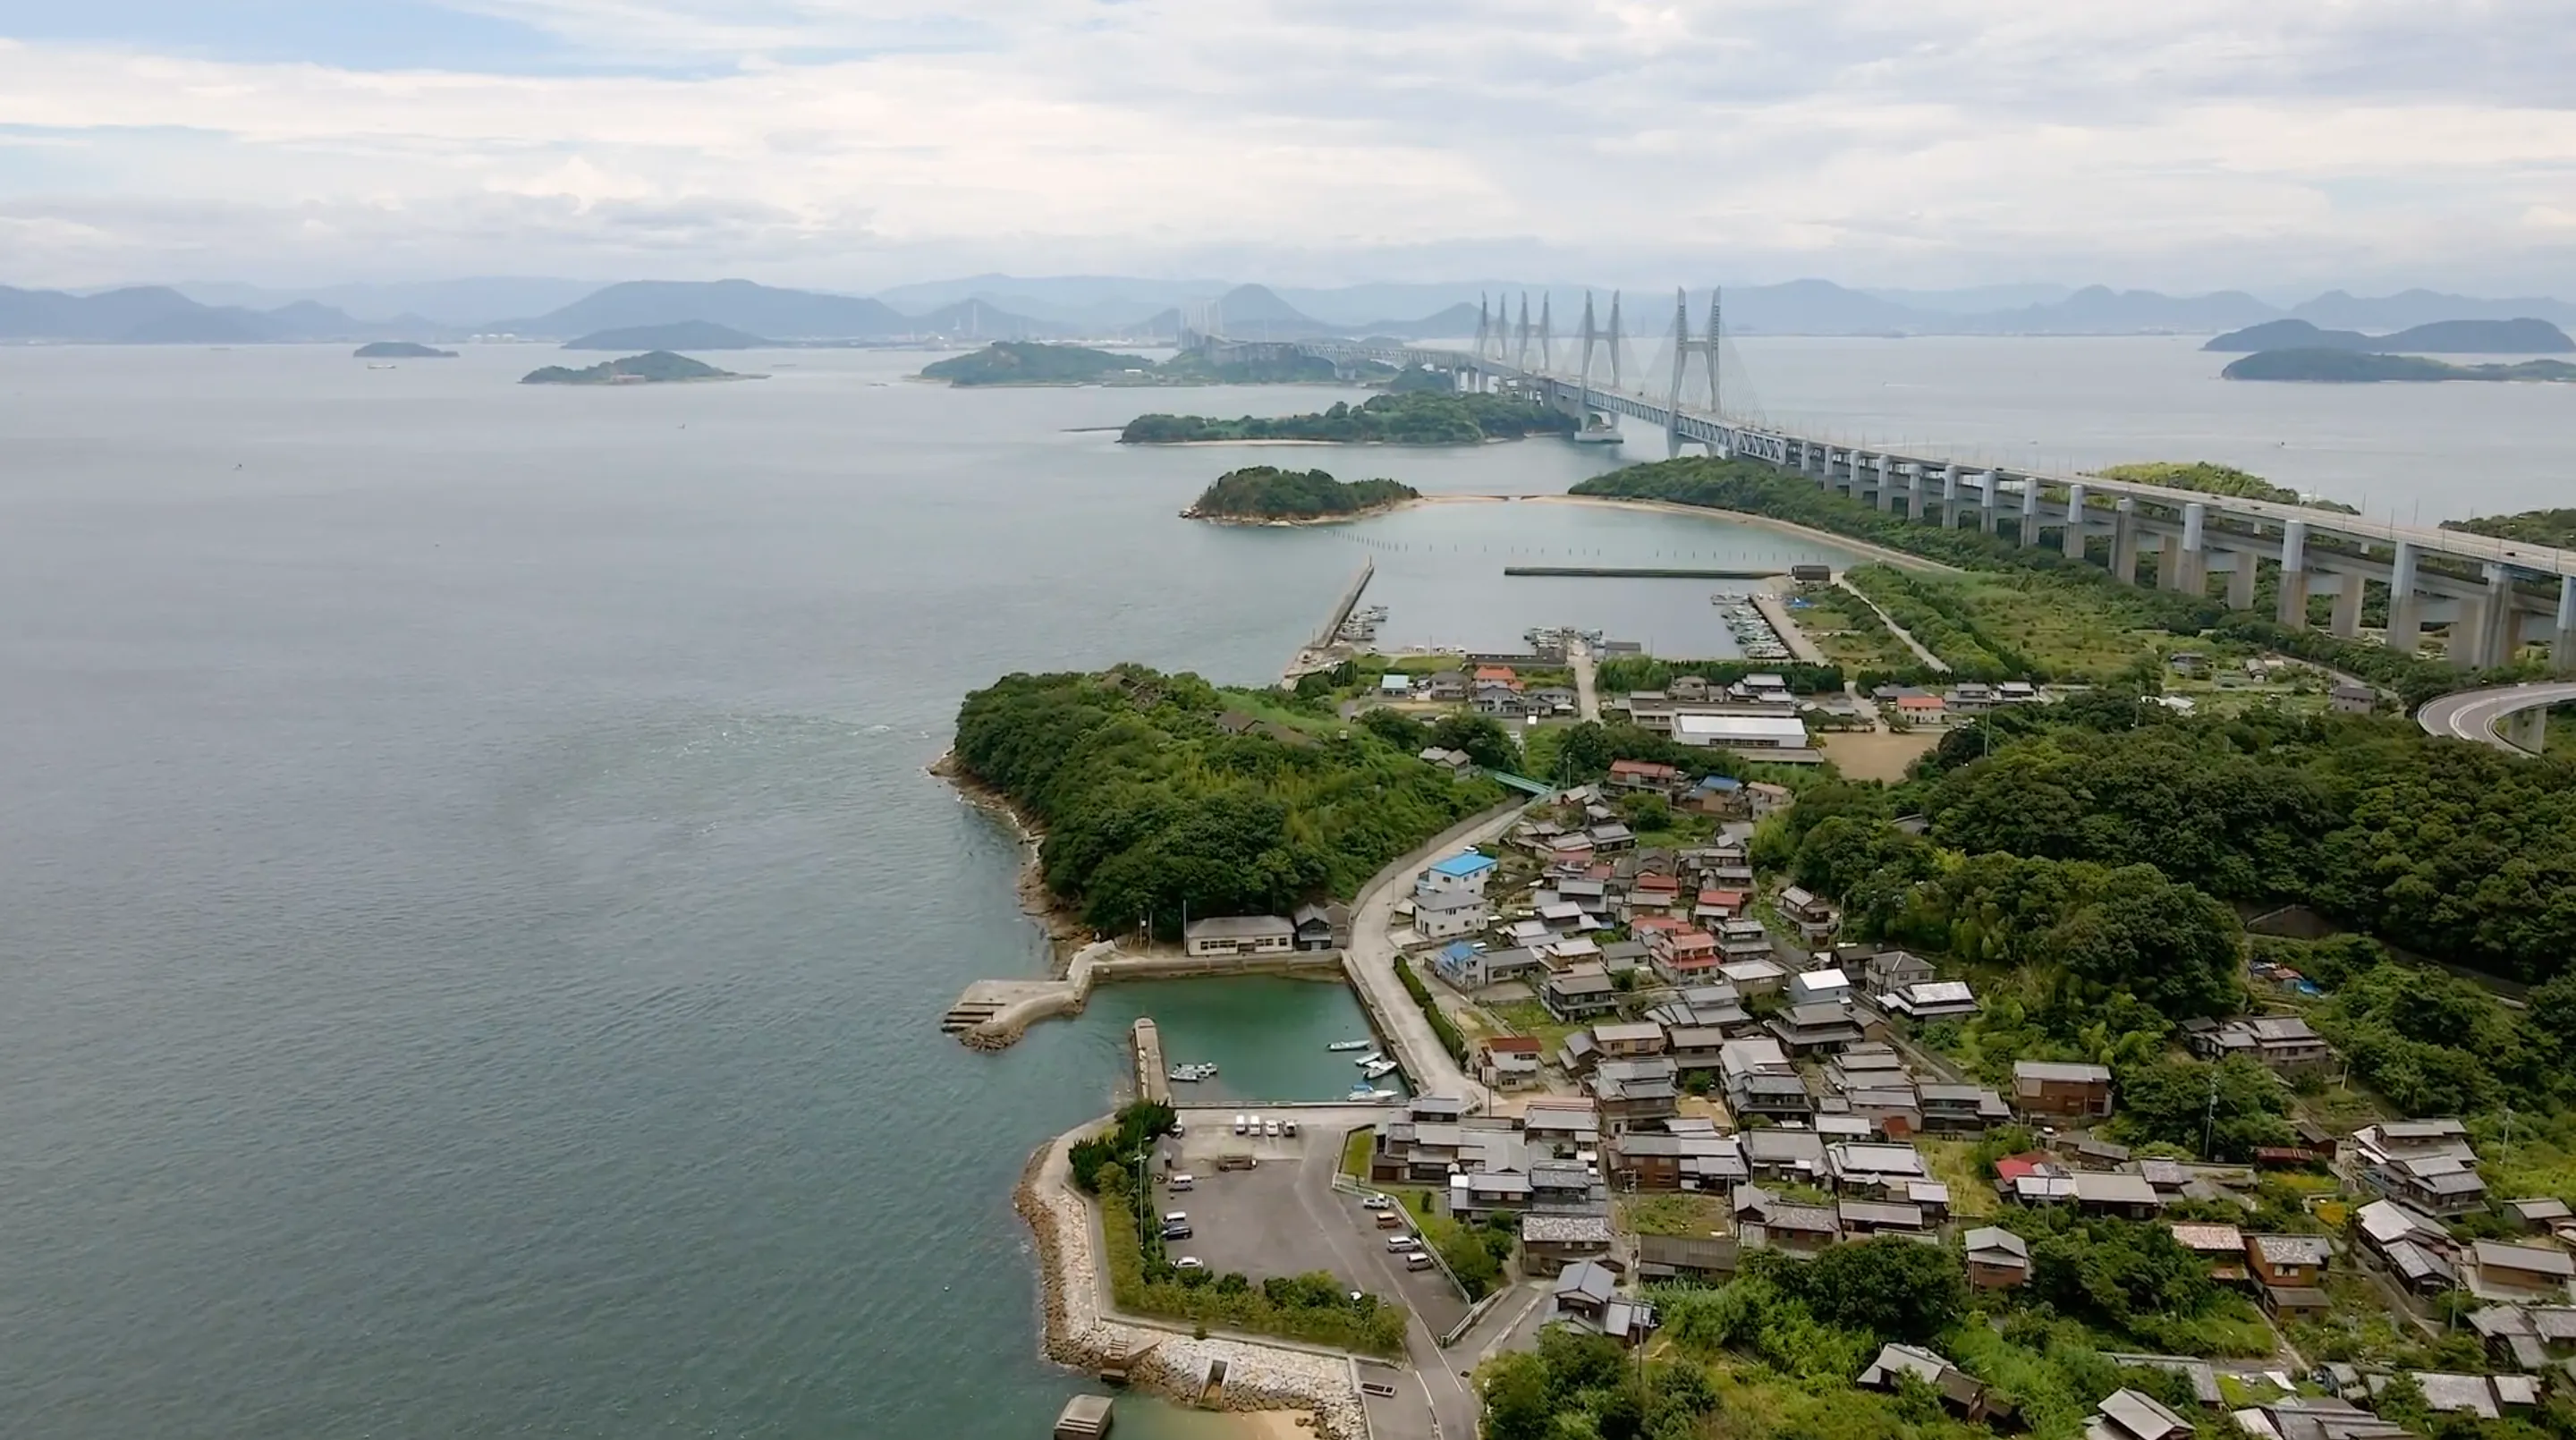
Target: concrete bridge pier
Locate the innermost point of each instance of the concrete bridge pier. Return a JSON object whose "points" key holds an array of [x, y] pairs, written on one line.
{"points": [[2405, 607], [1914, 492], [2071, 539], [2346, 620], [1949, 497], [2562, 641], [2180, 564], [2124, 541], [2029, 511], [1886, 484], [2238, 567], [2499, 633], [2293, 609], [2529, 730], [1986, 500]]}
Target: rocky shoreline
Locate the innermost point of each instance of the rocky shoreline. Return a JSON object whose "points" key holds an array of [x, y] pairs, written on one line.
{"points": [[1078, 1334], [1064, 931]]}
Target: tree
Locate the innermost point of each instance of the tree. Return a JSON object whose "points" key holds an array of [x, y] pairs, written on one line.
{"points": [[2237, 1102], [1887, 1286], [1583, 753], [2169, 944]]}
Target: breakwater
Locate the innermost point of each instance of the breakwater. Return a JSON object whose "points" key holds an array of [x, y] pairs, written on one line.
{"points": [[992, 1014]]}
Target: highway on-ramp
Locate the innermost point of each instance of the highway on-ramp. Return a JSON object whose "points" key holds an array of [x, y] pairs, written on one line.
{"points": [[2473, 715]]}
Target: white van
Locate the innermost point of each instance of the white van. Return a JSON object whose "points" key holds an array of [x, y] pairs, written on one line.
{"points": [[1183, 1180], [1418, 1260], [1239, 1122]]}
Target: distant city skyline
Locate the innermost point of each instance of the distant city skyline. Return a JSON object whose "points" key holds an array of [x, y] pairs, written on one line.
{"points": [[861, 145]]}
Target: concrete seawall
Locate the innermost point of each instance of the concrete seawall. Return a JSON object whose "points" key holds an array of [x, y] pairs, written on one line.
{"points": [[994, 1013]]}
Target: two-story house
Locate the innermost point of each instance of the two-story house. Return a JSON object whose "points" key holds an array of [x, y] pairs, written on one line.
{"points": [[2291, 1271], [2062, 1088]]}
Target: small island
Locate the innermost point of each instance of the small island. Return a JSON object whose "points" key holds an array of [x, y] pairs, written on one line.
{"points": [[661, 367], [1028, 362], [1269, 495], [2442, 337], [1420, 417], [401, 350], [2351, 367], [684, 335]]}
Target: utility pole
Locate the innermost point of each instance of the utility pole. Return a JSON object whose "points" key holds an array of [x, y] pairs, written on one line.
{"points": [[2209, 1122]]}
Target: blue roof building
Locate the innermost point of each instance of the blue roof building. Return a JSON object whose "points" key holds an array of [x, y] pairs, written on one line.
{"points": [[1722, 784], [1463, 867]]}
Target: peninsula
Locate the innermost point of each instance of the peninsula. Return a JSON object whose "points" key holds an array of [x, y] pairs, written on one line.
{"points": [[661, 367], [2442, 337], [401, 350], [2352, 367], [683, 335], [1268, 494], [1420, 417], [1026, 362]]}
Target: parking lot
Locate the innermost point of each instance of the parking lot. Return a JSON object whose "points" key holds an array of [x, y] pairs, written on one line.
{"points": [[1282, 1217]]}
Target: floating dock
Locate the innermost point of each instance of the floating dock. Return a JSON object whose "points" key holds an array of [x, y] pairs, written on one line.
{"points": [[1642, 572]]}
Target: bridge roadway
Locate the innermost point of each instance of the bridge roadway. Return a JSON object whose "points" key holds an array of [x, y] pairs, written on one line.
{"points": [[2480, 715], [2491, 613]]}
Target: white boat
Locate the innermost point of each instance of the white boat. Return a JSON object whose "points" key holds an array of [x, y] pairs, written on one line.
{"points": [[1348, 1045], [1371, 1058], [1384, 1097], [1360, 1093], [1203, 1070], [1379, 1070]]}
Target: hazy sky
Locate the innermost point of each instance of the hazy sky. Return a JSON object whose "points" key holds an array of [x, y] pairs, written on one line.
{"points": [[857, 143]]}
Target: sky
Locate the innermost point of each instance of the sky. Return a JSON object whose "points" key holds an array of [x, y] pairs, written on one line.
{"points": [[852, 144]]}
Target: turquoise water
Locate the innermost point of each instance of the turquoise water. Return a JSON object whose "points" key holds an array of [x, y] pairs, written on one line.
{"points": [[1266, 1034]]}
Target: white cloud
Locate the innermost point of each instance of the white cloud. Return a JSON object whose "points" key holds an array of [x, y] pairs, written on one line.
{"points": [[857, 142]]}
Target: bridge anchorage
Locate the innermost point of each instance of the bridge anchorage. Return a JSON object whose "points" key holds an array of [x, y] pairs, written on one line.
{"points": [[2495, 596]]}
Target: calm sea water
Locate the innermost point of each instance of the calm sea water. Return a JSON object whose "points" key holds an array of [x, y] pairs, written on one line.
{"points": [[474, 920]]}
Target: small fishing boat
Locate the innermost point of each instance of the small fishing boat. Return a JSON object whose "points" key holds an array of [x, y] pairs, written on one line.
{"points": [[1348, 1045], [1378, 1071], [1371, 1058], [1360, 1094], [1384, 1097], [1202, 1070]]}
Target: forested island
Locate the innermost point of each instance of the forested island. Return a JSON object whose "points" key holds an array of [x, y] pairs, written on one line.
{"points": [[401, 350], [1265, 492], [2352, 367], [1416, 417], [1157, 792], [661, 367], [1029, 362], [2442, 337]]}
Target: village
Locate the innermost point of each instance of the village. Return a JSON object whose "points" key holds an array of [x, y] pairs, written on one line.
{"points": [[1660, 1061]]}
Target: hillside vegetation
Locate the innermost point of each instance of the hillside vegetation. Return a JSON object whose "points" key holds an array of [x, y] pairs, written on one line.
{"points": [[1149, 805], [1422, 417]]}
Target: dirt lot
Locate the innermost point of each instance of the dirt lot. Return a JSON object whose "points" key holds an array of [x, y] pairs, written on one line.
{"points": [[1868, 755]]}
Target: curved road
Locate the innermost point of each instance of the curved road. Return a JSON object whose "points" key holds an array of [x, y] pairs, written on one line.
{"points": [[2473, 715]]}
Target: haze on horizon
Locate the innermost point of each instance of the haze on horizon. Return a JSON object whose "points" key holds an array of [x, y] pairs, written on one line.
{"points": [[858, 144]]}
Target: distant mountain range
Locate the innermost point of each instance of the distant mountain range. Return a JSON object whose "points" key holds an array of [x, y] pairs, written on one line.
{"points": [[1001, 307]]}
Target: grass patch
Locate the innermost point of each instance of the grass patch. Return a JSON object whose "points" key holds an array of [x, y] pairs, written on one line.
{"points": [[1849, 632], [1356, 1149], [1529, 1017], [1954, 1163], [1679, 1213]]}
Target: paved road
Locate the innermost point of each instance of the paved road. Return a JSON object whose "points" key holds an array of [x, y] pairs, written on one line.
{"points": [[1587, 695], [2474, 714], [1371, 960], [1447, 1408]]}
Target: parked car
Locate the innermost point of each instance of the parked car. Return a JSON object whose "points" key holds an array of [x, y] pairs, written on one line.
{"points": [[1288, 1128], [1389, 1220], [1189, 1262], [1177, 1232], [1417, 1260], [1378, 1202], [1239, 1122], [1270, 1128], [1184, 1180], [1398, 1244]]}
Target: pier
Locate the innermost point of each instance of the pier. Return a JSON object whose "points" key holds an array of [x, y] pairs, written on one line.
{"points": [[1323, 651], [1642, 572], [992, 1014], [1776, 610], [1152, 1083]]}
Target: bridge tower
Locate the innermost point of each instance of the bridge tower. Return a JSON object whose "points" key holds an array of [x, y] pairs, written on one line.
{"points": [[1520, 354], [1546, 333], [1683, 348], [1614, 342]]}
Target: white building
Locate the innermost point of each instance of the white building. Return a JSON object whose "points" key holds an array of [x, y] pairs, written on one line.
{"points": [[1459, 874], [1741, 732], [1448, 915]]}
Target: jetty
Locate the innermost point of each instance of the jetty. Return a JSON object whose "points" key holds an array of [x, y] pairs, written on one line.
{"points": [[992, 1014], [1326, 650], [1784, 625], [1643, 572], [1146, 1043]]}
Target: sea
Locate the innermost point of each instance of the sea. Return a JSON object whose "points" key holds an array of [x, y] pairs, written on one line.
{"points": [[473, 917]]}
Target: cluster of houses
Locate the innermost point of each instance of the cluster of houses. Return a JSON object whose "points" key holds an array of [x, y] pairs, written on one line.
{"points": [[1756, 715], [1542, 1166], [1496, 690], [1919, 708]]}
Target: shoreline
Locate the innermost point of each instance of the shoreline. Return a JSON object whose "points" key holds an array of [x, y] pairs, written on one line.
{"points": [[1879, 553], [1277, 1390], [1064, 932], [1299, 522]]}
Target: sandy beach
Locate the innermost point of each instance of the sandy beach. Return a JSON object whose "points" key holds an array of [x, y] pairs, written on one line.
{"points": [[1880, 553]]}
